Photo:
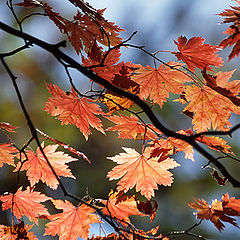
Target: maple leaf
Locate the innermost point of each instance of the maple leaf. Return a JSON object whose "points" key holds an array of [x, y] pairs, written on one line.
{"points": [[70, 109], [197, 54], [17, 232], [84, 29], [158, 83], [7, 127], [38, 168], [142, 171], [131, 128], [218, 212], [7, 154], [72, 223], [232, 16], [120, 207], [208, 108], [26, 203]]}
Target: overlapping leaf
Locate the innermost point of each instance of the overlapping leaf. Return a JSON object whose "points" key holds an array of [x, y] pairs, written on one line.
{"points": [[197, 54], [121, 207], [219, 211], [142, 171], [28, 203], [72, 223], [162, 148], [158, 83], [85, 28], [122, 79], [220, 84], [131, 128], [70, 109], [38, 169]]}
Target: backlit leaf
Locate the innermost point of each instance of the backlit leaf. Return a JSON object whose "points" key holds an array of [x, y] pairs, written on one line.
{"points": [[131, 128], [71, 109], [120, 207], [28, 203], [38, 169], [209, 108], [197, 54], [142, 171], [158, 83], [72, 223]]}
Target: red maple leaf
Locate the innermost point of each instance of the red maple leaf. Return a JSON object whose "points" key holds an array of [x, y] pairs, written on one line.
{"points": [[197, 54], [38, 169], [70, 109], [72, 223], [26, 203], [142, 171]]}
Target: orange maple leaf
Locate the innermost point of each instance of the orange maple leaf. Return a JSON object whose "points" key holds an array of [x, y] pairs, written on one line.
{"points": [[131, 128], [208, 108], [158, 83], [218, 212], [17, 232], [38, 168], [120, 207], [142, 171], [70, 109], [72, 223], [26, 203], [197, 54], [7, 154]]}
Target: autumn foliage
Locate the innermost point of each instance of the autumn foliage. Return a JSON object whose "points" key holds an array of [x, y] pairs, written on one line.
{"points": [[209, 97]]}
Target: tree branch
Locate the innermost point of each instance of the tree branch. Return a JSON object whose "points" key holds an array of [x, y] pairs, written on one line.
{"points": [[58, 54]]}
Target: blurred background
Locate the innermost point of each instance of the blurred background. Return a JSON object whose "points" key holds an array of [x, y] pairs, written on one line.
{"points": [[158, 23]]}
